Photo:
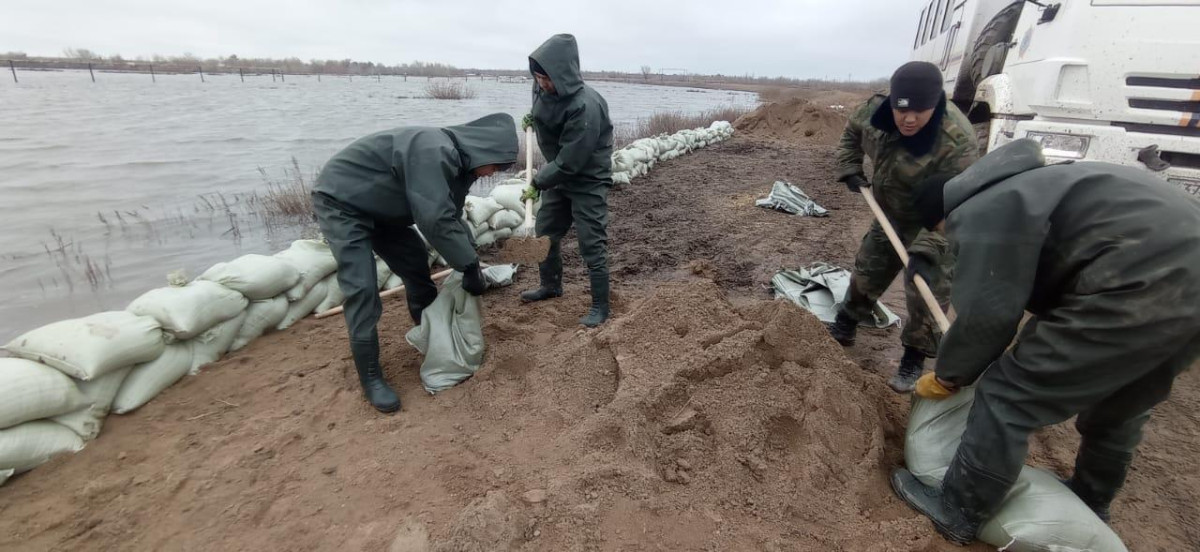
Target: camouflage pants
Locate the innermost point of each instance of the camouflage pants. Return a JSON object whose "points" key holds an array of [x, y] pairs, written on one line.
{"points": [[875, 267]]}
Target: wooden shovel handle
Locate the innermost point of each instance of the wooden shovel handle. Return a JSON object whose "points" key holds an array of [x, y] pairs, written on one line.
{"points": [[382, 294]]}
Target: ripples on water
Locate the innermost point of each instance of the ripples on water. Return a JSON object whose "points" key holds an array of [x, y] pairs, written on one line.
{"points": [[107, 187]]}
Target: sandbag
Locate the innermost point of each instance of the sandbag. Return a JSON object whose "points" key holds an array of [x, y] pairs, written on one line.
{"points": [[505, 219], [502, 234], [4, 475], [486, 239], [255, 276], [620, 178], [508, 195], [479, 209], [382, 273], [333, 295], [187, 311], [146, 381], [32, 444], [89, 347], [1039, 514], [32, 391], [304, 307], [86, 422], [210, 346], [450, 336], [261, 317], [499, 275], [394, 280], [313, 259]]}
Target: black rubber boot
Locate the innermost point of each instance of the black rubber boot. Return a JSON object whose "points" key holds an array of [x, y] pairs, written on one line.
{"points": [[843, 329], [911, 366], [966, 500], [370, 375], [600, 305], [550, 272], [417, 303], [1099, 475]]}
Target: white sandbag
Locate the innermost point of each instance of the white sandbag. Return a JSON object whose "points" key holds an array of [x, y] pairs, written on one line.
{"points": [[261, 317], [502, 234], [89, 347], [86, 422], [32, 391], [394, 280], [480, 209], [509, 196], [32, 444], [313, 259], [479, 230], [499, 275], [186, 311], [505, 219], [382, 273], [450, 336], [303, 307], [620, 178], [1039, 514], [146, 381], [623, 160], [4, 475], [210, 346], [486, 239], [333, 294], [255, 276]]}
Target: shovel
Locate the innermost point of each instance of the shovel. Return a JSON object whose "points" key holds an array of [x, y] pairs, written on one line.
{"points": [[524, 247], [922, 286]]}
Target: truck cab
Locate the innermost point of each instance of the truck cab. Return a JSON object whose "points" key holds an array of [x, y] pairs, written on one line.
{"points": [[1091, 80]]}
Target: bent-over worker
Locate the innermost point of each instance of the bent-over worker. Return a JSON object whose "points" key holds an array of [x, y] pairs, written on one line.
{"points": [[576, 138], [1106, 258], [367, 199], [910, 135]]}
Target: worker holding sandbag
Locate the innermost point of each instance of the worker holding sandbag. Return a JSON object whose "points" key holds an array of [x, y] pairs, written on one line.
{"points": [[1107, 260], [574, 133], [909, 135], [367, 199]]}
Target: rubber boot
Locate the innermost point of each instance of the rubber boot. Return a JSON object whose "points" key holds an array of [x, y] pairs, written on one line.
{"points": [[550, 272], [600, 305], [370, 375], [843, 329], [911, 366], [966, 500], [1099, 475], [417, 303]]}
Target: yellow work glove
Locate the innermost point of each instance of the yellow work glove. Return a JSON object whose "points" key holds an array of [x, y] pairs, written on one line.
{"points": [[928, 387]]}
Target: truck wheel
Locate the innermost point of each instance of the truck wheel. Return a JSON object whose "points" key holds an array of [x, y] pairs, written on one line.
{"points": [[988, 53]]}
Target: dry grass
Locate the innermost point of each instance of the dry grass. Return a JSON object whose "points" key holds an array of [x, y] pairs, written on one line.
{"points": [[670, 122], [449, 90], [290, 196]]}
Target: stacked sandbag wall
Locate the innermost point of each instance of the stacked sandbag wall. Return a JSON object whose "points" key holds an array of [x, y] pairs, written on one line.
{"points": [[66, 377]]}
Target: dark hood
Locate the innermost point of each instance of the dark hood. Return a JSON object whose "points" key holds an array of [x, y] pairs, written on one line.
{"points": [[559, 56], [490, 140], [1003, 163]]}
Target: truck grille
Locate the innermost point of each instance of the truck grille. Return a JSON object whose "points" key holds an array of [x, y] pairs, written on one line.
{"points": [[1169, 94]]}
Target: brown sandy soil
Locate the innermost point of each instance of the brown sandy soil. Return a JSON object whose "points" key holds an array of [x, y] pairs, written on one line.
{"points": [[703, 417]]}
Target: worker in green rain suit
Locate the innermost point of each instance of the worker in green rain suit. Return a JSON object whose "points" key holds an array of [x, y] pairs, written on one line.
{"points": [[575, 136], [369, 196]]}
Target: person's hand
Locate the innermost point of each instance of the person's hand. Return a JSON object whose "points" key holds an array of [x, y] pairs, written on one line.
{"points": [[527, 121], [920, 265], [934, 388], [540, 185], [473, 280], [856, 182]]}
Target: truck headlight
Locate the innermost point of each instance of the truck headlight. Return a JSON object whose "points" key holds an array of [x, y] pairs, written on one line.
{"points": [[1063, 146]]}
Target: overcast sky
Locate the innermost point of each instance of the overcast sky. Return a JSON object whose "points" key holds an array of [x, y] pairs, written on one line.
{"points": [[794, 38]]}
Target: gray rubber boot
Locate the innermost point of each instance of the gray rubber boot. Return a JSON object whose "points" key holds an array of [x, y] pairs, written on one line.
{"points": [[550, 272], [600, 302], [967, 499], [370, 375], [911, 366]]}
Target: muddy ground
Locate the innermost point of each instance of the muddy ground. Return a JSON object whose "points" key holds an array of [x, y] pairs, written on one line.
{"points": [[704, 417]]}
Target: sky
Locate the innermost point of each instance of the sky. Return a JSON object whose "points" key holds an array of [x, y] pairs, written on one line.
{"points": [[834, 39]]}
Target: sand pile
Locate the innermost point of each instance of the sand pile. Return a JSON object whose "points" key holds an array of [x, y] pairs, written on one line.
{"points": [[724, 428], [796, 120]]}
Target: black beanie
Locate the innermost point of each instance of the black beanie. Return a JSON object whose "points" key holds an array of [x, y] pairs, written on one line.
{"points": [[916, 85], [929, 200], [537, 68]]}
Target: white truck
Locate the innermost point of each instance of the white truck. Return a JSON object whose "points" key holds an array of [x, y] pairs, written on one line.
{"points": [[1095, 80]]}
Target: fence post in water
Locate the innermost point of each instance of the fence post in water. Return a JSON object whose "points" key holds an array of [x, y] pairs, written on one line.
{"points": [[241, 75], [405, 77], [201, 71], [14, 70], [152, 78], [272, 74], [91, 72], [281, 77], [318, 77]]}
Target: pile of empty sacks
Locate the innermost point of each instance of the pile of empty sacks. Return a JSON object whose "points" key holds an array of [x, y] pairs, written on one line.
{"points": [[65, 378]]}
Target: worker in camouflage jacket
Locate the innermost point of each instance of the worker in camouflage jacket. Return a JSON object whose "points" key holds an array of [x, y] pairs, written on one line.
{"points": [[1106, 259], [911, 134], [576, 138], [368, 198]]}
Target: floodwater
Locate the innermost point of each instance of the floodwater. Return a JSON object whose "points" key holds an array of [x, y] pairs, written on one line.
{"points": [[109, 186]]}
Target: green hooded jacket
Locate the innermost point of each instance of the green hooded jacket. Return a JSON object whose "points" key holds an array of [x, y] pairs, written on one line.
{"points": [[421, 175], [871, 131], [572, 125], [1064, 242]]}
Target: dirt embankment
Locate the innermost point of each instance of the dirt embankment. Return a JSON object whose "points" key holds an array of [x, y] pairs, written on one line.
{"points": [[703, 417]]}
